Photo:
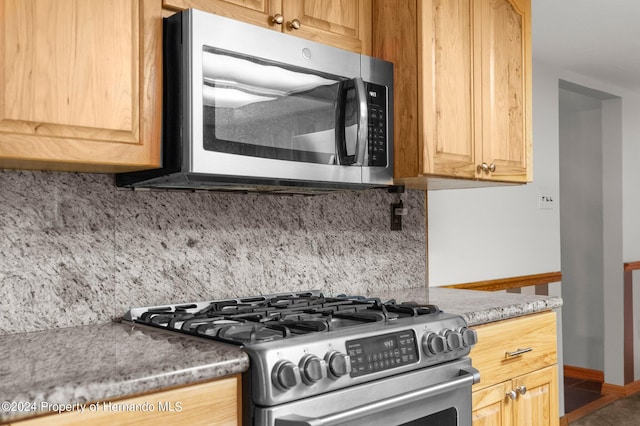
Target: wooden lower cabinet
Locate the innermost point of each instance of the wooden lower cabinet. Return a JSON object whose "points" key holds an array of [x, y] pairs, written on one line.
{"points": [[517, 360], [537, 406], [212, 403]]}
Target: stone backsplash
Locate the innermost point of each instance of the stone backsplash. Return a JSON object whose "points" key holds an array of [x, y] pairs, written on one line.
{"points": [[75, 250]]}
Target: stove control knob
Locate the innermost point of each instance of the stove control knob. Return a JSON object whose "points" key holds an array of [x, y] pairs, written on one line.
{"points": [[469, 336], [285, 375], [338, 364], [433, 344], [312, 369], [454, 339]]}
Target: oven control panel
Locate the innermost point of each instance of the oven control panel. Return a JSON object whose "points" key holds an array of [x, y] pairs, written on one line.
{"points": [[379, 353]]}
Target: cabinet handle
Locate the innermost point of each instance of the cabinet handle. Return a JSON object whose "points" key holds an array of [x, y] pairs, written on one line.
{"points": [[492, 167], [295, 24], [517, 353], [512, 394], [522, 389], [277, 19]]}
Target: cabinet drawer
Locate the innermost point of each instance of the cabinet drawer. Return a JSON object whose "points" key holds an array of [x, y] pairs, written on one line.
{"points": [[210, 403], [514, 347]]}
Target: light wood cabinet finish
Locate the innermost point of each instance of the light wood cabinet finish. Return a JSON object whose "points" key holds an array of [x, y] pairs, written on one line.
{"points": [[462, 89], [537, 332], [505, 81], [537, 407], [211, 403], [341, 23], [532, 375], [80, 84], [490, 407]]}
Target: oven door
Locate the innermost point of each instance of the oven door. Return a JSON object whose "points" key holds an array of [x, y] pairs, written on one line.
{"points": [[439, 395]]}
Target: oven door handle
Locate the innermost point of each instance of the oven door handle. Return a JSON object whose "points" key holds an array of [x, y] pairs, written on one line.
{"points": [[467, 377]]}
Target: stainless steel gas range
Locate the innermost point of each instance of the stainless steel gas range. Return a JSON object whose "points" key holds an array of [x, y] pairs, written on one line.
{"points": [[344, 360]]}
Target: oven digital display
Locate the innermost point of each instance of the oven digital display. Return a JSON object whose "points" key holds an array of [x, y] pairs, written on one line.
{"points": [[381, 353]]}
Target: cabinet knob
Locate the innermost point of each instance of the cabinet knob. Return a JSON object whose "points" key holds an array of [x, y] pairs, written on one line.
{"points": [[512, 394], [521, 389], [295, 24], [277, 19], [486, 168]]}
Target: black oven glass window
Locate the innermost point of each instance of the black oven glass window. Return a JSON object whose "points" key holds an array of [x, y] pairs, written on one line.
{"points": [[448, 417]]}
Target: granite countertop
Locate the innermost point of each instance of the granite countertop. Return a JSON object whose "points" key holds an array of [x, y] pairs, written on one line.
{"points": [[90, 363], [101, 362], [476, 307]]}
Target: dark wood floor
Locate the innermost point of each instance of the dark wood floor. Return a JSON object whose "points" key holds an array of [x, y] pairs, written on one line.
{"points": [[579, 392]]}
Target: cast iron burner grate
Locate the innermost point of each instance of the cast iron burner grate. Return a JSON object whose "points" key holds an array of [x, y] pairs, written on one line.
{"points": [[259, 319]]}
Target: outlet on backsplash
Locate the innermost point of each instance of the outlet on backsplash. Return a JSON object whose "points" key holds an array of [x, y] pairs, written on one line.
{"points": [[397, 211]]}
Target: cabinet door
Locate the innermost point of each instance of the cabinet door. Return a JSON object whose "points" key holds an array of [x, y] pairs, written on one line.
{"points": [[503, 34], [492, 407], [538, 406], [446, 90], [341, 23], [256, 12], [80, 84]]}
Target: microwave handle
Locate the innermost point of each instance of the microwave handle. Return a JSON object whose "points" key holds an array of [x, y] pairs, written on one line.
{"points": [[466, 378], [363, 122], [358, 158]]}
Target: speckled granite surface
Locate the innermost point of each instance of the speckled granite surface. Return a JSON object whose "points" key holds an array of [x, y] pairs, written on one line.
{"points": [[476, 307], [89, 363], [74, 250]]}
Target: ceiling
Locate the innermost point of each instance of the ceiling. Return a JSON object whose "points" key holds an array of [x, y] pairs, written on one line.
{"points": [[595, 38]]}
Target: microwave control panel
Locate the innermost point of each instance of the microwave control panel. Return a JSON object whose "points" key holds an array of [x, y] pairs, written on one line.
{"points": [[377, 106]]}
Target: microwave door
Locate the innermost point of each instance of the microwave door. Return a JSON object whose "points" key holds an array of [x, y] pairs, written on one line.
{"points": [[268, 119]]}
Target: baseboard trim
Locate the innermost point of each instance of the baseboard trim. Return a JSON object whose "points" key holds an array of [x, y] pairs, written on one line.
{"points": [[583, 373], [587, 409], [621, 391]]}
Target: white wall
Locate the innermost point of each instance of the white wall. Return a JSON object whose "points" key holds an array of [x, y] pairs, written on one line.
{"points": [[489, 233]]}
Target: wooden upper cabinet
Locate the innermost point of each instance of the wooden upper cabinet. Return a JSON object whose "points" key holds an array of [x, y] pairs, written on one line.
{"points": [[504, 28], [469, 64], [341, 23], [447, 88], [80, 84], [256, 12]]}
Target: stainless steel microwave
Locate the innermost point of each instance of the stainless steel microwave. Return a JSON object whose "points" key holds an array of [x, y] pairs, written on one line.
{"points": [[250, 108]]}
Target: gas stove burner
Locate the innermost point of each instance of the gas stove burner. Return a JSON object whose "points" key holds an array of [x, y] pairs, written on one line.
{"points": [[249, 333], [251, 320]]}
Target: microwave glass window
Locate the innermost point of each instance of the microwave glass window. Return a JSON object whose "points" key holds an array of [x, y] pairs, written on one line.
{"points": [[265, 109]]}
